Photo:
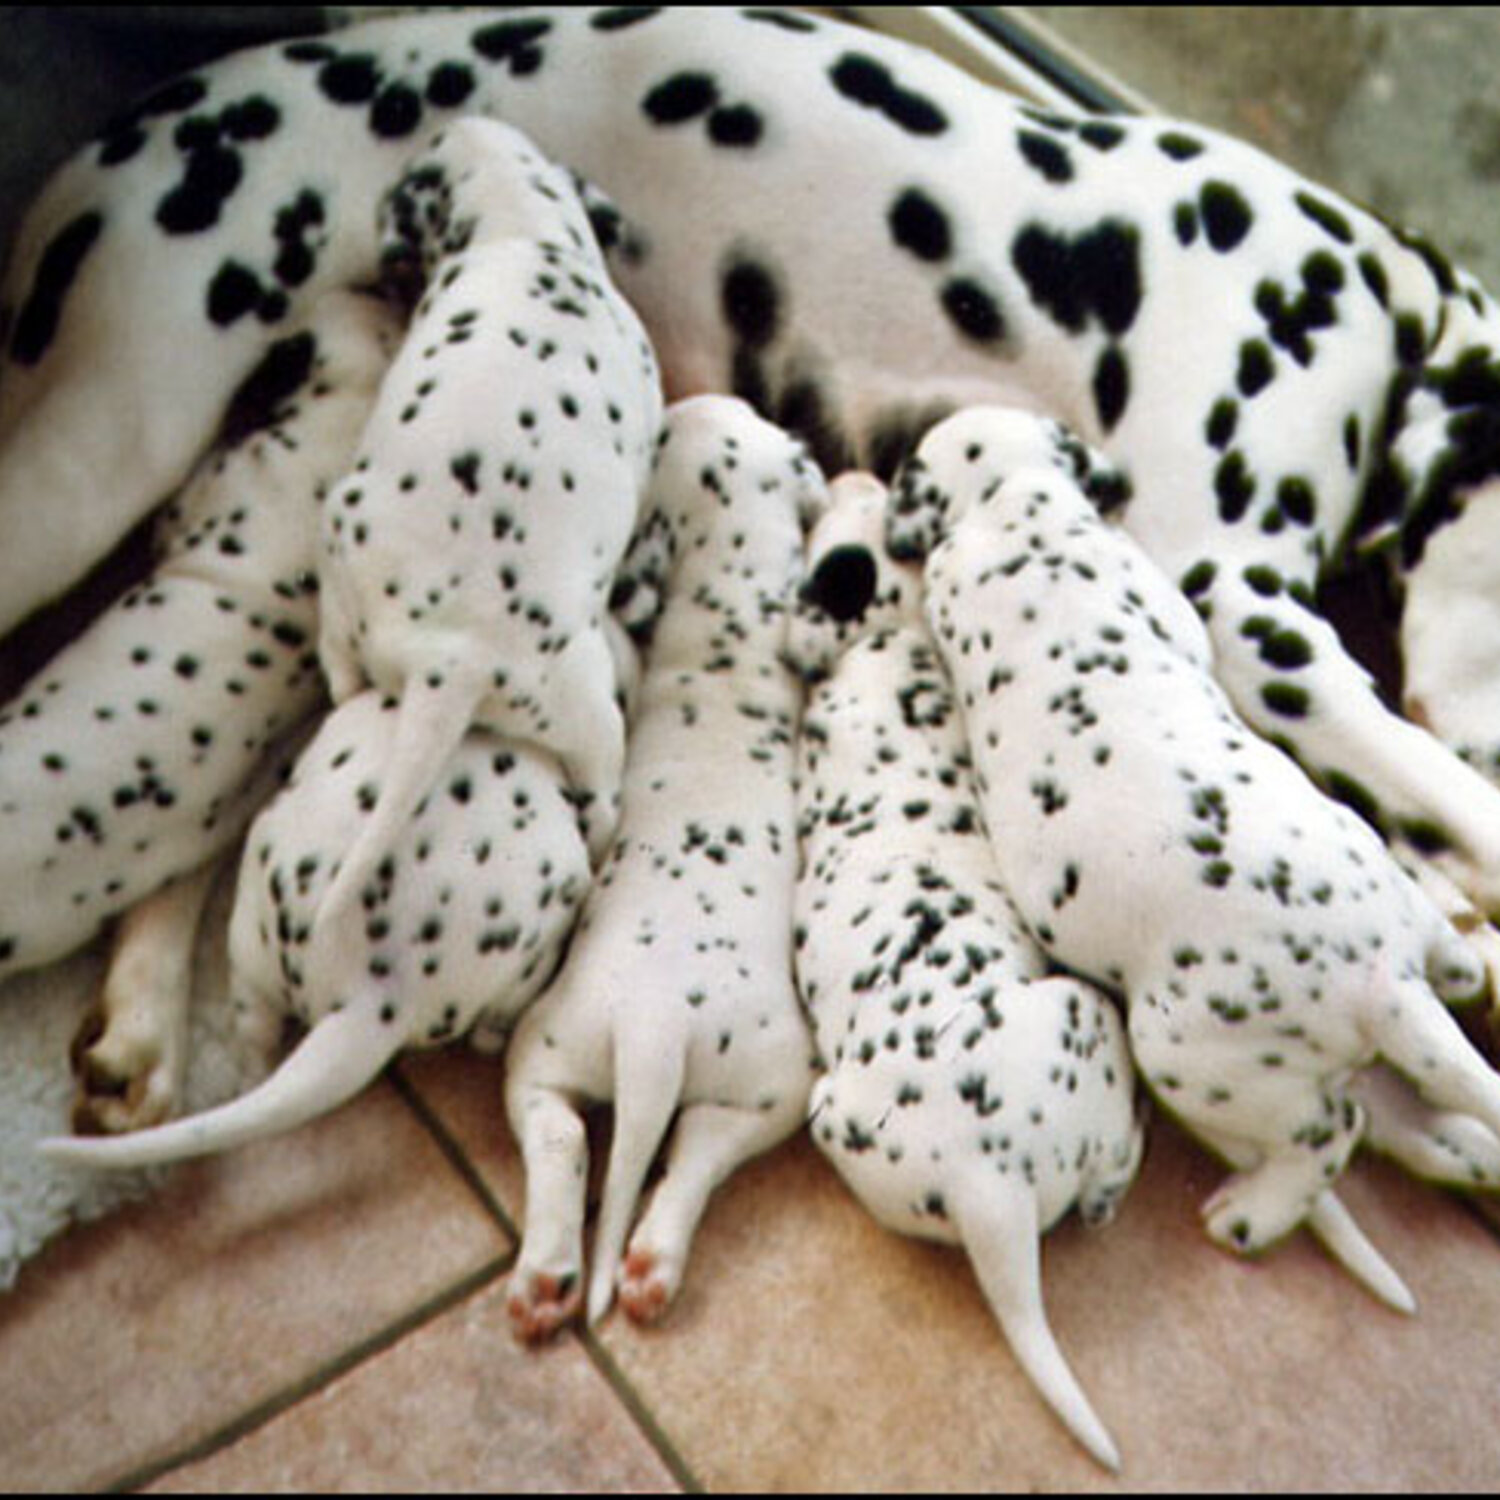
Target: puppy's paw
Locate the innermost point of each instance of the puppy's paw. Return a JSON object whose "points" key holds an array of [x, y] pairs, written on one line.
{"points": [[126, 1080], [1251, 1211], [648, 1283], [540, 1303]]}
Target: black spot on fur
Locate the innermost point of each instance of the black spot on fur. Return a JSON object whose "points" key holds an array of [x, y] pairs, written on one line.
{"points": [[917, 224], [263, 393], [40, 315], [351, 79], [682, 97], [236, 291], [1234, 486], [1178, 146], [871, 84], [396, 112], [736, 125], [618, 17], [843, 584], [1047, 156], [1326, 217], [784, 20], [448, 85], [296, 260], [513, 42], [973, 310], [1111, 387], [1227, 217], [1256, 369], [1074, 278], [751, 303], [212, 175]]}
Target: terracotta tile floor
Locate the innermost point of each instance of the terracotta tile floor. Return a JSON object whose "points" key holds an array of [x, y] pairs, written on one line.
{"points": [[326, 1312]]}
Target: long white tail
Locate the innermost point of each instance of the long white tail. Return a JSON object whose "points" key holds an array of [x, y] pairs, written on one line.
{"points": [[342, 1054], [648, 1089], [430, 725], [998, 1224]]}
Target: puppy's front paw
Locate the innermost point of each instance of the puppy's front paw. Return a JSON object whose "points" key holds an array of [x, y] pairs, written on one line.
{"points": [[126, 1080]]}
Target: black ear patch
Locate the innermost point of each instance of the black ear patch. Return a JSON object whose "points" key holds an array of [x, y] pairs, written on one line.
{"points": [[843, 583]]}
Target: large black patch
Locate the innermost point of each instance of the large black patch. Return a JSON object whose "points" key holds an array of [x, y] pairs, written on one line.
{"points": [[41, 313], [870, 83], [1075, 278], [262, 395], [689, 96], [514, 43]]}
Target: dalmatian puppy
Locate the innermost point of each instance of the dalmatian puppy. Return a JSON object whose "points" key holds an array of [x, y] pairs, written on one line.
{"points": [[1267, 943], [1274, 370], [967, 1097], [468, 558], [465, 923], [677, 996], [145, 746]]}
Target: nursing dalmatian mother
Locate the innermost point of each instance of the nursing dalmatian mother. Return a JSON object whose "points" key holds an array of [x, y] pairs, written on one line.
{"points": [[853, 236]]}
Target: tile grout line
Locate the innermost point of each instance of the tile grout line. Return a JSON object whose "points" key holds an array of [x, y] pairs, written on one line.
{"points": [[453, 1151], [324, 1375], [636, 1408], [618, 1383]]}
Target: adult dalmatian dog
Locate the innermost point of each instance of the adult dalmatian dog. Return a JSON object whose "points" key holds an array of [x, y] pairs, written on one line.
{"points": [[966, 1095], [1273, 369], [467, 920], [1266, 942], [677, 1003]]}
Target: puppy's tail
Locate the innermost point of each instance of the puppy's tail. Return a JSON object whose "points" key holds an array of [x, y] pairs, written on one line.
{"points": [[435, 714], [648, 1088], [998, 1224], [343, 1053]]}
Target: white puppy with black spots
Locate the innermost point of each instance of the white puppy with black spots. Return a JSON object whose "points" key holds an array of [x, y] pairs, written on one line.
{"points": [[464, 924], [468, 559], [146, 745], [677, 997], [968, 1097], [1266, 942]]}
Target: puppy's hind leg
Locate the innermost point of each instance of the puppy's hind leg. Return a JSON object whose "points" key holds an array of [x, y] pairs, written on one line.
{"points": [[1418, 1036], [649, 1072], [998, 1224], [1334, 1226], [1435, 1144], [710, 1143], [546, 1286]]}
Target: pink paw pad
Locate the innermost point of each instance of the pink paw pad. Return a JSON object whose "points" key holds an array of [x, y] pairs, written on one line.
{"points": [[644, 1294], [539, 1305]]}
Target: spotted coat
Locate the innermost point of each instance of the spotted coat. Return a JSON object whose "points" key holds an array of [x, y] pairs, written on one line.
{"points": [[1274, 369], [468, 558], [677, 997], [147, 745], [966, 1096], [1266, 942], [465, 923]]}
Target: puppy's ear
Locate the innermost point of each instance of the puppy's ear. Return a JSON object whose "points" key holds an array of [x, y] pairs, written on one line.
{"points": [[916, 515]]}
